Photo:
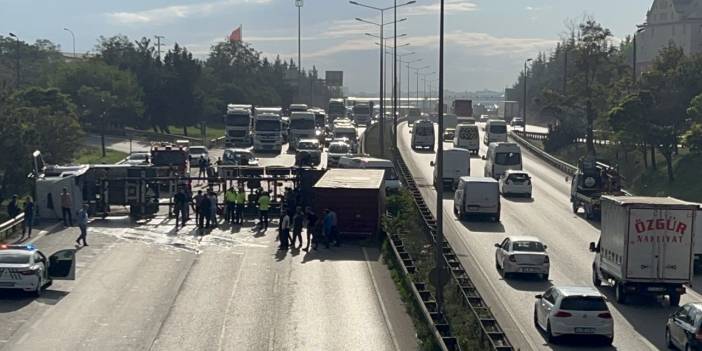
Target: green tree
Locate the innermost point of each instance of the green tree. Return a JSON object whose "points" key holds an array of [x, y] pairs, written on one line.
{"points": [[182, 88]]}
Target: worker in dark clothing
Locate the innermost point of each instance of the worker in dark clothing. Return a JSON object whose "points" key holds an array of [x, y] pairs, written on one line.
{"points": [[284, 230], [311, 229], [202, 167], [13, 209], [205, 212], [298, 223], [180, 202], [28, 217], [196, 205]]}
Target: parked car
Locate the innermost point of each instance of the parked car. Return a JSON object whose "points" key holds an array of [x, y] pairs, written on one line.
{"points": [[195, 152], [522, 254], [137, 158], [449, 134], [308, 152], [573, 311], [515, 182], [239, 157], [682, 330]]}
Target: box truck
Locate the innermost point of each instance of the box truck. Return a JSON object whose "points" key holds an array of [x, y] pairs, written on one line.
{"points": [[646, 246]]}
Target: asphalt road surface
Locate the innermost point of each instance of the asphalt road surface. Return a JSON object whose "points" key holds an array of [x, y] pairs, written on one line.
{"points": [[638, 326], [146, 286]]}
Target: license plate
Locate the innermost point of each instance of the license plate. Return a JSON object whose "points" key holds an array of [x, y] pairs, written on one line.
{"points": [[529, 270], [655, 289], [584, 330]]}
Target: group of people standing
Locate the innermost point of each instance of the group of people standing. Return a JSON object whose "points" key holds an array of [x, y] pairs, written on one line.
{"points": [[324, 230]]}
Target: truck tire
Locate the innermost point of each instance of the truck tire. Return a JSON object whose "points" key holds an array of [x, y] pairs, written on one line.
{"points": [[595, 277], [674, 299], [619, 293]]}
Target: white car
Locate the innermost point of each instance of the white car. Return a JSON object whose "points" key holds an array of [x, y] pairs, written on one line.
{"points": [[337, 150], [522, 254], [137, 158], [514, 182], [24, 267], [196, 152], [573, 311], [239, 157]]}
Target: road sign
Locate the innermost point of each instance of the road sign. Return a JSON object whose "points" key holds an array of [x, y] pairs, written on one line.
{"points": [[334, 78], [299, 3]]}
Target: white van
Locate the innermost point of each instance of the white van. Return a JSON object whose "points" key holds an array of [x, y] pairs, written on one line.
{"points": [[467, 137], [495, 132], [392, 181], [423, 135], [476, 195], [456, 165], [501, 157]]}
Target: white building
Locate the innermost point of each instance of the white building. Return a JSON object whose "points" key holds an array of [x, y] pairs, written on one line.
{"points": [[677, 21]]}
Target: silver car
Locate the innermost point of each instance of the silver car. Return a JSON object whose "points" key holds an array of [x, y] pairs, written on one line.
{"points": [[239, 157], [337, 149], [522, 254]]}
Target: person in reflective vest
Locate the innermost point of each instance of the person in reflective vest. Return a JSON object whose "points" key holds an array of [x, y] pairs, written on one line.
{"points": [[240, 203], [230, 208], [264, 204]]}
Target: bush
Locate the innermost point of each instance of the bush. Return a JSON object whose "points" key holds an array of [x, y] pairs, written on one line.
{"points": [[693, 138]]}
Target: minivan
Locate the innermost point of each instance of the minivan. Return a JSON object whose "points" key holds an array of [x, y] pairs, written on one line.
{"points": [[423, 135], [495, 132], [467, 137], [392, 181], [456, 164], [500, 157], [477, 195]]}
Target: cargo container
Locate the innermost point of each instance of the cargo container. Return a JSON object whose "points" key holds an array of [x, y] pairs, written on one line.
{"points": [[646, 246], [356, 195]]}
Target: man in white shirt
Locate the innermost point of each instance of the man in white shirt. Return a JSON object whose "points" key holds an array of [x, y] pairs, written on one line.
{"points": [[284, 230]]}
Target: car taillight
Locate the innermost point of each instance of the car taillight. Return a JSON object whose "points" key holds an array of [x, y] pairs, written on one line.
{"points": [[562, 314], [512, 258], [546, 260], [605, 315]]}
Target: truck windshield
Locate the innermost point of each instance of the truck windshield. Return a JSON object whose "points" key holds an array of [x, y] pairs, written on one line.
{"points": [[361, 110], [339, 148], [508, 158], [336, 108], [584, 303], [238, 120], [529, 246], [425, 130], [301, 124], [267, 126], [168, 158], [498, 129]]}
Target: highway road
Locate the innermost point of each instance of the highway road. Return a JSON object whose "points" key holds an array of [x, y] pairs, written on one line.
{"points": [[638, 326], [147, 286]]}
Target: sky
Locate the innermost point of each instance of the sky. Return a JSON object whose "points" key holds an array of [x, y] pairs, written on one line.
{"points": [[486, 41]]}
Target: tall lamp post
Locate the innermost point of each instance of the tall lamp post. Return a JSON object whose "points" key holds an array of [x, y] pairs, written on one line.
{"points": [[417, 91], [381, 120], [73, 36], [299, 4], [408, 77], [424, 81], [440, 271], [399, 88], [18, 59], [524, 101], [640, 28]]}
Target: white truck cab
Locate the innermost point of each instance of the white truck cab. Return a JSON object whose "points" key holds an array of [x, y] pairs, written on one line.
{"points": [[268, 130], [495, 132], [467, 136], [477, 195], [237, 125], [302, 126], [456, 164]]}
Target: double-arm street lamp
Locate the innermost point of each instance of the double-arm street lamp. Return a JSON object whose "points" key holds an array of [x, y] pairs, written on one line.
{"points": [[418, 70], [440, 271], [18, 59], [382, 23], [424, 81], [408, 63], [73, 36], [524, 102]]}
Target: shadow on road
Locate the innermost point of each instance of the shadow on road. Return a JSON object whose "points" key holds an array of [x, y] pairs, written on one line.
{"points": [[527, 282], [513, 198], [483, 224]]}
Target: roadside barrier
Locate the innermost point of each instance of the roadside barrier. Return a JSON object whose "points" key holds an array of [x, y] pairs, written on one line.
{"points": [[10, 226]]}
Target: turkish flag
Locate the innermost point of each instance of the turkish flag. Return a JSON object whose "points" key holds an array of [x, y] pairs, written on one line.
{"points": [[236, 35]]}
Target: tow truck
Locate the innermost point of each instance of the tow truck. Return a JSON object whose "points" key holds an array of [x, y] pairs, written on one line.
{"points": [[592, 180]]}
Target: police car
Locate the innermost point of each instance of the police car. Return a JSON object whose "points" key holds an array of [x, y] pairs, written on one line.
{"points": [[24, 267]]}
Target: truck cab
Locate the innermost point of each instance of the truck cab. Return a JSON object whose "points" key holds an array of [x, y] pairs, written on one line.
{"points": [[302, 126], [592, 180], [268, 130], [237, 125], [456, 164], [362, 113], [336, 109]]}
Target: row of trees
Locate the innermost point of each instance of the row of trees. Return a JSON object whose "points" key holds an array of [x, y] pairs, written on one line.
{"points": [[126, 84], [586, 84]]}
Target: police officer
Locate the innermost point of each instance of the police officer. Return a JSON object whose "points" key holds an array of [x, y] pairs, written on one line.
{"points": [[230, 208], [240, 203], [264, 205]]}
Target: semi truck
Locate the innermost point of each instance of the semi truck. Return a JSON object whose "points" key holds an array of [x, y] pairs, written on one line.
{"points": [[267, 134], [362, 112], [508, 110], [592, 180], [336, 109], [237, 125], [462, 107], [302, 126], [645, 246]]}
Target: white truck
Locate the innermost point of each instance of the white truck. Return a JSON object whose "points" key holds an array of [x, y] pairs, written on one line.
{"points": [[268, 129], [237, 125], [456, 164], [646, 246], [478, 196], [362, 112], [302, 126]]}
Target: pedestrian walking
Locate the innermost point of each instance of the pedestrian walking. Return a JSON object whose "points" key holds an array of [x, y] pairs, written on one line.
{"points": [[284, 230], [311, 220], [298, 224], [66, 206], [28, 217], [240, 204], [264, 205], [180, 203], [230, 205], [204, 207], [83, 225], [202, 167], [213, 208], [195, 204]]}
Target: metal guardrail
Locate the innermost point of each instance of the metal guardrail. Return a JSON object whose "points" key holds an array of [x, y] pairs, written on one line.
{"points": [[10, 226], [490, 330]]}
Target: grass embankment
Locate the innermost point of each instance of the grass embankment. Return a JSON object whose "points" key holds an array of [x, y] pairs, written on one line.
{"points": [[648, 182], [406, 220], [93, 155]]}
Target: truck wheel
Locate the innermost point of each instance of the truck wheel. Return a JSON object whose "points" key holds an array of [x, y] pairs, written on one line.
{"points": [[674, 299], [619, 293], [595, 278]]}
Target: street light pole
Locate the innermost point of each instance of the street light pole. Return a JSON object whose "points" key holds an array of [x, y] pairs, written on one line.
{"points": [[440, 172], [299, 4], [394, 78], [524, 102], [640, 29], [17, 83], [74, 41]]}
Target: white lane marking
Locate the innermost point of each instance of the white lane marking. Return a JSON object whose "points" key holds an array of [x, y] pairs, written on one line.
{"points": [[229, 303], [380, 301]]}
